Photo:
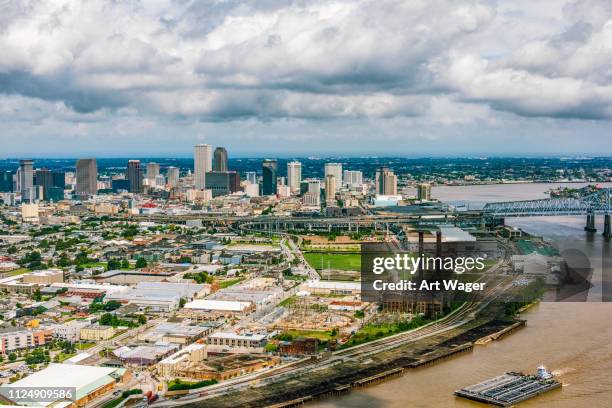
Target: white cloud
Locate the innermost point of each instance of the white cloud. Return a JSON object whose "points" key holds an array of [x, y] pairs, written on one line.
{"points": [[325, 66]]}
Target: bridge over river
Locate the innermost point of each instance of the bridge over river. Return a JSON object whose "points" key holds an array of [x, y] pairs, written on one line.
{"points": [[591, 204]]}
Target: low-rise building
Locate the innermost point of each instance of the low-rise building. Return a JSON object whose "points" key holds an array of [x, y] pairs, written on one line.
{"points": [[237, 342], [96, 332], [88, 382]]}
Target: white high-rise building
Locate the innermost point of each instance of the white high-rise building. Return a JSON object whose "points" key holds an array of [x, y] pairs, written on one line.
{"points": [[313, 195], [294, 175], [335, 169], [353, 178], [251, 177], [330, 188], [173, 176], [202, 163]]}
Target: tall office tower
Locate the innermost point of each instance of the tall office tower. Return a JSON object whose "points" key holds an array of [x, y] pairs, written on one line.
{"points": [[251, 177], [313, 195], [234, 181], [270, 170], [6, 181], [173, 176], [26, 180], [59, 179], [353, 178], [386, 182], [220, 159], [44, 178], [330, 187], [202, 164], [86, 177], [134, 176], [335, 169], [294, 176], [152, 172], [424, 191]]}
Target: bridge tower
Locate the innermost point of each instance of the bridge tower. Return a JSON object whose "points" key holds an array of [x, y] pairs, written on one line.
{"points": [[590, 222]]}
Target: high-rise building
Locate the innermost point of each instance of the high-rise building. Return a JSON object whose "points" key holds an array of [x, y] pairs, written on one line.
{"points": [[202, 164], [353, 178], [424, 191], [220, 159], [386, 182], [294, 176], [152, 172], [86, 177], [335, 169], [6, 181], [59, 179], [43, 178], [222, 182], [134, 176], [172, 175], [270, 170], [313, 195], [330, 188], [26, 180], [251, 177]]}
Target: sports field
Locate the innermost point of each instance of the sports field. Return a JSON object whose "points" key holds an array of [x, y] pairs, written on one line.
{"points": [[345, 262]]}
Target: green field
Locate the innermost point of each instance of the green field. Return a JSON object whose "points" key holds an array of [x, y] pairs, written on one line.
{"points": [[345, 262], [320, 335]]}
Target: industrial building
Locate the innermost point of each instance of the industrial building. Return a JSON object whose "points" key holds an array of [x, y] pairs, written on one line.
{"points": [[89, 382], [159, 296], [222, 307]]}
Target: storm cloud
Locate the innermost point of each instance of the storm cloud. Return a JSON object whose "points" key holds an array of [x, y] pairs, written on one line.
{"points": [[305, 71]]}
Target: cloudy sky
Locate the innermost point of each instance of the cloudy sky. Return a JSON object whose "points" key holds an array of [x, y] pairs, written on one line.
{"points": [[282, 77]]}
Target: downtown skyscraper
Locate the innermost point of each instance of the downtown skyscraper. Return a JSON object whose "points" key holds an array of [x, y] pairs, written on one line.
{"points": [[134, 176], [26, 180], [335, 169], [294, 176], [270, 171], [220, 159], [202, 163], [86, 177]]}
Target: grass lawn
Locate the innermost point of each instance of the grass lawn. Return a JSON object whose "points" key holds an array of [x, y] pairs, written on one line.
{"points": [[62, 356], [19, 271], [345, 262], [229, 282], [288, 301], [321, 335], [84, 346]]}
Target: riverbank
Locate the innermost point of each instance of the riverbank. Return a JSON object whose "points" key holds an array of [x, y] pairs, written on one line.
{"points": [[355, 372]]}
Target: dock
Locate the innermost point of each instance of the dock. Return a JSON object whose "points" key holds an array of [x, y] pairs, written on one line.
{"points": [[508, 389]]}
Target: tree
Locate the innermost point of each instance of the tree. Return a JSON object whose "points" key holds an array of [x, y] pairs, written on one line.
{"points": [[142, 319], [12, 249], [141, 263], [182, 302], [113, 264], [37, 295], [12, 357], [125, 264]]}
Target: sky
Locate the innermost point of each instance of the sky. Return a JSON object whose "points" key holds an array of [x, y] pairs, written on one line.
{"points": [[281, 78]]}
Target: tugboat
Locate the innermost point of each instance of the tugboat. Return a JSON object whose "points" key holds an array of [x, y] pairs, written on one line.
{"points": [[543, 373]]}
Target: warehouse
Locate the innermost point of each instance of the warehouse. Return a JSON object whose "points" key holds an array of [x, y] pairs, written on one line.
{"points": [[89, 382]]}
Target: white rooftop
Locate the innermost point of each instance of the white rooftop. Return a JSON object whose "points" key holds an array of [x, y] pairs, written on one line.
{"points": [[235, 336], [222, 305], [323, 284]]}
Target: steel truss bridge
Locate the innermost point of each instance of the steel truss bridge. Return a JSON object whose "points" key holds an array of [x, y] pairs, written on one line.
{"points": [[596, 203]]}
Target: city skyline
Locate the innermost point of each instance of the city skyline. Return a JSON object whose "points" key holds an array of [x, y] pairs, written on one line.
{"points": [[356, 79]]}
